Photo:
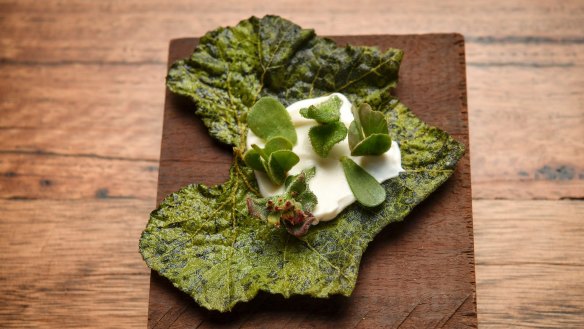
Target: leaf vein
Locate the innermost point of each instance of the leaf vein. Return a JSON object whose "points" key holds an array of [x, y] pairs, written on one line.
{"points": [[346, 85], [326, 260]]}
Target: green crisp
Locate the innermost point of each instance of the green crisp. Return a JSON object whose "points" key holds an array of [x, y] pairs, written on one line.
{"points": [[203, 239]]}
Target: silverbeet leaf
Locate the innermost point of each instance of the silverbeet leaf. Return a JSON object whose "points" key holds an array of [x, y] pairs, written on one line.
{"points": [[233, 67], [203, 239]]}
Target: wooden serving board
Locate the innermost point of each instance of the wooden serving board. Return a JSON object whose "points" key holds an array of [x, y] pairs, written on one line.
{"points": [[418, 274]]}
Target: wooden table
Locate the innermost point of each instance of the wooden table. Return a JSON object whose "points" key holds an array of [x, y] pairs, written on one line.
{"points": [[81, 101]]}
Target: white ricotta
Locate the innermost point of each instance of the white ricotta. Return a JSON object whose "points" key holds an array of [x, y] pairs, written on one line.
{"points": [[329, 183]]}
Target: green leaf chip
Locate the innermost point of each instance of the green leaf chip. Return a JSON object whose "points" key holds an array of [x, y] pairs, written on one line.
{"points": [[202, 238]]}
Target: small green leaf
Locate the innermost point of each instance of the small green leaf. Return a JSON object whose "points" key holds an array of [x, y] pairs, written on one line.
{"points": [[375, 144], [252, 158], [275, 159], [325, 112], [354, 133], [324, 137], [268, 118], [298, 187], [283, 159], [365, 187], [371, 122], [368, 133], [260, 151], [276, 144], [279, 163]]}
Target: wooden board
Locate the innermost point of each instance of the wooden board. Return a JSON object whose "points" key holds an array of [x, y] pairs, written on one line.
{"points": [[419, 273]]}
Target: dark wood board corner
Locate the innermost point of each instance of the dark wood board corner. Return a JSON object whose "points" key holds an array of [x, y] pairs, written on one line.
{"points": [[419, 273]]}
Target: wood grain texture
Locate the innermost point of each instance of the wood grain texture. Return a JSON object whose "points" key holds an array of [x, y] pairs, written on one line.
{"points": [[84, 79], [416, 274], [531, 147], [530, 263], [137, 31], [40, 175], [81, 109], [72, 264]]}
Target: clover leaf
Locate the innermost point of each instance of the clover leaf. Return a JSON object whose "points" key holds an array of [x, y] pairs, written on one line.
{"points": [[365, 187], [323, 137], [268, 118], [252, 156], [368, 133], [275, 159], [325, 112], [278, 164]]}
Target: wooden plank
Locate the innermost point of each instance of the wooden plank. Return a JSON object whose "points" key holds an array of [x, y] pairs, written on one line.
{"points": [[529, 263], [525, 55], [72, 264], [416, 274]]}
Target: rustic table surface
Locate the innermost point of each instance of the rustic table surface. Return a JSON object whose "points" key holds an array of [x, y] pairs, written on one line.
{"points": [[81, 103]]}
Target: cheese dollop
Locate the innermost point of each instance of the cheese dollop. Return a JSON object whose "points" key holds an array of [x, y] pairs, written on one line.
{"points": [[329, 183]]}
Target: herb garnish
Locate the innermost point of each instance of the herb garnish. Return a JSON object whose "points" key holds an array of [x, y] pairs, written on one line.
{"points": [[325, 112], [270, 120], [365, 187], [368, 133], [291, 208], [330, 130]]}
